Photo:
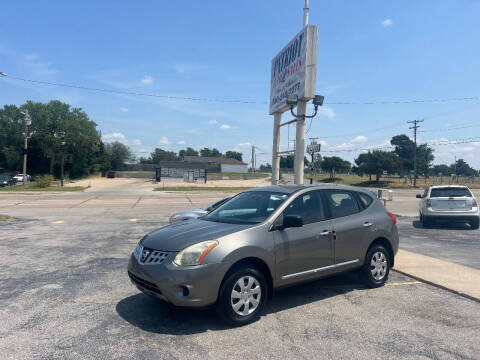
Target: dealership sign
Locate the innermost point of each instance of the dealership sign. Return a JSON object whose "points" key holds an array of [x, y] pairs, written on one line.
{"points": [[294, 70]]}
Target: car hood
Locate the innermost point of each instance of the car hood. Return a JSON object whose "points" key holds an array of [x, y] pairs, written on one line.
{"points": [[177, 236]]}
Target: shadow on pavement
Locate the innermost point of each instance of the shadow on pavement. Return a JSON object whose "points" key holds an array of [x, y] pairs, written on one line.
{"points": [[445, 225], [159, 317]]}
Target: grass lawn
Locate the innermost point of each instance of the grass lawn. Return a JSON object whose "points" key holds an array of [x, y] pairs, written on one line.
{"points": [[4, 217], [32, 187], [393, 182], [195, 188]]}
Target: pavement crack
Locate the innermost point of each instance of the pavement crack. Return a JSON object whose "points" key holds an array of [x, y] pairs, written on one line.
{"points": [[138, 200], [188, 197], [84, 201]]}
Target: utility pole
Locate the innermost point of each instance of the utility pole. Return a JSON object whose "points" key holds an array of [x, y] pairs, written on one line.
{"points": [[27, 121], [415, 127], [313, 140], [253, 159]]}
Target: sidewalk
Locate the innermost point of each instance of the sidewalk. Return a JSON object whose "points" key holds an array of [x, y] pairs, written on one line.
{"points": [[457, 278]]}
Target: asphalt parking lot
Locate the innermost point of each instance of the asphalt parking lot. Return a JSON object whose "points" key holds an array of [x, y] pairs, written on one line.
{"points": [[65, 294]]}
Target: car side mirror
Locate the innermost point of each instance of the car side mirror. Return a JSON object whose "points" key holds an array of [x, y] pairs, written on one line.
{"points": [[419, 196], [291, 221]]}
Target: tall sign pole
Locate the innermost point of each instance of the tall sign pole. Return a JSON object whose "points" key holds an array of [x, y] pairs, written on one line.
{"points": [[293, 73]]}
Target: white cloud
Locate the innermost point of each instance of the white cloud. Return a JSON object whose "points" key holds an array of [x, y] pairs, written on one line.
{"points": [[359, 139], [327, 112], [225, 126], [137, 142], [115, 137], [164, 141], [212, 122], [147, 80], [181, 142], [244, 145], [387, 23], [123, 109]]}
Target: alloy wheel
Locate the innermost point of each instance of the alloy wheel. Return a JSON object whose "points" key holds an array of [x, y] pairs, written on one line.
{"points": [[378, 265]]}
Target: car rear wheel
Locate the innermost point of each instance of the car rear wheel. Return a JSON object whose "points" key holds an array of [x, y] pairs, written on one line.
{"points": [[474, 223], [376, 268], [242, 296]]}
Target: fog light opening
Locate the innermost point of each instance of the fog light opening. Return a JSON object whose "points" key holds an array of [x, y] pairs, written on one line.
{"points": [[185, 291]]}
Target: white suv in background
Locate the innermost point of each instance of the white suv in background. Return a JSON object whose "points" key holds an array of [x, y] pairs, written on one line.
{"points": [[451, 203]]}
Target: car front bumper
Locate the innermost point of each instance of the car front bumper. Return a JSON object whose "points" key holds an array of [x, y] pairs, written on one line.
{"points": [[191, 286]]}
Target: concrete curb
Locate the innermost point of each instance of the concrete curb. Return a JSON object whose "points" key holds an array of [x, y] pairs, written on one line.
{"points": [[437, 285]]}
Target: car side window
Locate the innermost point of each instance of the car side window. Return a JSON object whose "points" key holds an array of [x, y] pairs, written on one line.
{"points": [[308, 206], [365, 199], [341, 203]]}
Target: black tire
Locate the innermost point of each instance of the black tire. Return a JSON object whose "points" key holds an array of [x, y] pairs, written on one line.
{"points": [[224, 305], [426, 222], [366, 271], [474, 223]]}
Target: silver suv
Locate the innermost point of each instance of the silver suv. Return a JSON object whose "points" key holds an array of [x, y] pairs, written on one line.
{"points": [[262, 239], [451, 203]]}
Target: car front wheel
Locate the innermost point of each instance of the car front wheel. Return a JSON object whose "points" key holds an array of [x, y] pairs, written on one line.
{"points": [[374, 272], [242, 296]]}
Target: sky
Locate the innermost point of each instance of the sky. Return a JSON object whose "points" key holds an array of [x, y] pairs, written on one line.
{"points": [[368, 52]]}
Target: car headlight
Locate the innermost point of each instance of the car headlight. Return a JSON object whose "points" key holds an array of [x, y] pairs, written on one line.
{"points": [[194, 255], [5, 183], [137, 253]]}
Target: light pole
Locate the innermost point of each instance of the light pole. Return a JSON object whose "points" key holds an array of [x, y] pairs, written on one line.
{"points": [[63, 163], [28, 122]]}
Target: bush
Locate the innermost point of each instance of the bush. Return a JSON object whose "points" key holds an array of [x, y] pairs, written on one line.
{"points": [[44, 181]]}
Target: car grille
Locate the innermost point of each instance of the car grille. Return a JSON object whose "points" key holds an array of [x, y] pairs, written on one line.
{"points": [[153, 257], [144, 284]]}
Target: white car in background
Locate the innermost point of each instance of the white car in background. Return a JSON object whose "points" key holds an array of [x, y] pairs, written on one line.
{"points": [[195, 213], [450, 203], [19, 178]]}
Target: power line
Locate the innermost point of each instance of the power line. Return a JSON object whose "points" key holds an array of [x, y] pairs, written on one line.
{"points": [[191, 98]]}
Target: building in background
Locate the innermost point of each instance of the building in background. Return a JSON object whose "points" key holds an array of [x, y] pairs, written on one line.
{"points": [[222, 164]]}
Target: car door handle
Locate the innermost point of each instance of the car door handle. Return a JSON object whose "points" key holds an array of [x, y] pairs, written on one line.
{"points": [[325, 233], [367, 224]]}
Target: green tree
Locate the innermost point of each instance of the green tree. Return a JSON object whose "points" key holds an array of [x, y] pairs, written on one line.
{"points": [[207, 152], [162, 155], [234, 155], [376, 162], [461, 167], [405, 149], [335, 164], [187, 152], [443, 169], [116, 154], [286, 162], [57, 131]]}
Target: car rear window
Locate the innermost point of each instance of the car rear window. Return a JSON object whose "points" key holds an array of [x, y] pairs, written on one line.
{"points": [[365, 199], [450, 192]]}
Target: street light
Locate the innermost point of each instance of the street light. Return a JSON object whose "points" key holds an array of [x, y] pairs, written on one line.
{"points": [[292, 100]]}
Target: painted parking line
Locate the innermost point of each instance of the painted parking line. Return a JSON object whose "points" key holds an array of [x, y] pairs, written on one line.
{"points": [[58, 222], [398, 283], [133, 220]]}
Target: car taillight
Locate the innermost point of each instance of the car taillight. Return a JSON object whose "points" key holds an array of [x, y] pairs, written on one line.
{"points": [[428, 203], [394, 219]]}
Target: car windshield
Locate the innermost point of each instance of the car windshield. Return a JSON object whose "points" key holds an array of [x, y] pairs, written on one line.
{"points": [[251, 207], [450, 192], [217, 203]]}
